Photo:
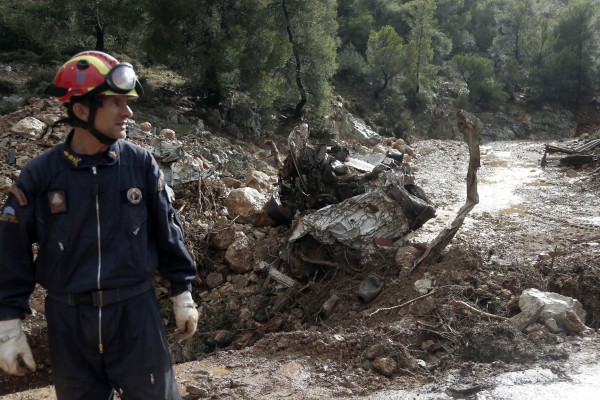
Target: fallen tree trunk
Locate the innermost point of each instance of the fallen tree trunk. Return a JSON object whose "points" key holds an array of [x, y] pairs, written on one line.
{"points": [[470, 128]]}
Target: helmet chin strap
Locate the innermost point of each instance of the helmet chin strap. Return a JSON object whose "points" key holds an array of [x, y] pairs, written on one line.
{"points": [[89, 124]]}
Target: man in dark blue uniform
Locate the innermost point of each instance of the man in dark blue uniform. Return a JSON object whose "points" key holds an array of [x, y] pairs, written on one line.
{"points": [[98, 209]]}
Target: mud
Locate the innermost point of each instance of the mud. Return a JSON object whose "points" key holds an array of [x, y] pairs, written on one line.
{"points": [[533, 227]]}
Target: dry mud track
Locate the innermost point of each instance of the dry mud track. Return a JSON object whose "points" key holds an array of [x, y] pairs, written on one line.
{"points": [[526, 216]]}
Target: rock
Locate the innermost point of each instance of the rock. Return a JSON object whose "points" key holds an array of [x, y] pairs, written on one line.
{"points": [[327, 308], [240, 281], [351, 127], [146, 126], [247, 205], [374, 351], [29, 127], [396, 155], [231, 182], [223, 234], [552, 326], [573, 324], [49, 119], [259, 181], [406, 256], [524, 319], [369, 288], [196, 392], [5, 183], [239, 255], [536, 305], [423, 286], [385, 366], [214, 279], [223, 338], [168, 134]]}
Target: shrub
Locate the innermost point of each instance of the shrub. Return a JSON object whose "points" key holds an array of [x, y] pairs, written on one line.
{"points": [[20, 56], [37, 84], [7, 87], [322, 129], [6, 107]]}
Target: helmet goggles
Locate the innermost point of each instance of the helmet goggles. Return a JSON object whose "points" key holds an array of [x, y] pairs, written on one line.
{"points": [[121, 79]]}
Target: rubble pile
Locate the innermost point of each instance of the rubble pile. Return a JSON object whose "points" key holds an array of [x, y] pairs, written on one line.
{"points": [[314, 240]]}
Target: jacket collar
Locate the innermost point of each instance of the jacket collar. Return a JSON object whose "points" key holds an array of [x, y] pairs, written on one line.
{"points": [[80, 161]]}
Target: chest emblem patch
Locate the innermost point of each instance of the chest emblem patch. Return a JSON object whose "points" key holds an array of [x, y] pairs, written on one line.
{"points": [[57, 202], [134, 196]]}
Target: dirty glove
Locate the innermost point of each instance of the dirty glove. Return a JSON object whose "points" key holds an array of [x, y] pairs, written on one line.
{"points": [[15, 354], [186, 315]]}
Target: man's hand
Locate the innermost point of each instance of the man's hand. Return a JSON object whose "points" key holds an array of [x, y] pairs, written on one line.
{"points": [[186, 315], [15, 354]]}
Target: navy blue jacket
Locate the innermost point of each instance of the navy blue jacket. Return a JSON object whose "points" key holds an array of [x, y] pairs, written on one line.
{"points": [[100, 222]]}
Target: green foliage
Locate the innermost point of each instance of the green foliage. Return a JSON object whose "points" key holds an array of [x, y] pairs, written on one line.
{"points": [[452, 16], [247, 45], [355, 24], [423, 26], [387, 57], [482, 24], [538, 44], [511, 76], [313, 26], [548, 51], [322, 129], [564, 57], [577, 48], [6, 107], [15, 27], [20, 56], [514, 20], [352, 65], [38, 82], [478, 74], [106, 25], [358, 108], [212, 46], [262, 65], [7, 87]]}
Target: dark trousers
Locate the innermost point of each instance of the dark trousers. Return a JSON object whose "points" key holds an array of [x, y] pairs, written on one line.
{"points": [[135, 358]]}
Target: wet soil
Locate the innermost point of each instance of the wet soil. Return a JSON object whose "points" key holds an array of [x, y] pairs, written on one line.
{"points": [[533, 227]]}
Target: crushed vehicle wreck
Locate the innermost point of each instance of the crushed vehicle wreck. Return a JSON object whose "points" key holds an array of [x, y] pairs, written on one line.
{"points": [[335, 198]]}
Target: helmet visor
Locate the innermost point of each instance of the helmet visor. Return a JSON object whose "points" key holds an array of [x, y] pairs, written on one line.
{"points": [[122, 78]]}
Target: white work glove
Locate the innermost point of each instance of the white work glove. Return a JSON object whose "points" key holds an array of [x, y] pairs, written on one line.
{"points": [[186, 315], [15, 354]]}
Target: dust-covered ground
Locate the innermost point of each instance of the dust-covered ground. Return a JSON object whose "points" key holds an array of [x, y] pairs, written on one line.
{"points": [[533, 228]]}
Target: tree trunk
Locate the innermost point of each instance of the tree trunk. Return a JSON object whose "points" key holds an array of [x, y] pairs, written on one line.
{"points": [[382, 88], [303, 96], [99, 28]]}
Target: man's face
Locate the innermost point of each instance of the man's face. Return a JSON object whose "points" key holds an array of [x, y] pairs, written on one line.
{"points": [[111, 118]]}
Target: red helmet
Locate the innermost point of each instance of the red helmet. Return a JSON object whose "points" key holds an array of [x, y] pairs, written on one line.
{"points": [[94, 72]]}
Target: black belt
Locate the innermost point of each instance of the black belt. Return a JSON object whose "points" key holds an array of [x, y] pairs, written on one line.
{"points": [[100, 298]]}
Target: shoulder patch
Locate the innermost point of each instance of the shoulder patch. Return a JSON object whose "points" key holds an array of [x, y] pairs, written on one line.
{"points": [[8, 215], [19, 195], [160, 184]]}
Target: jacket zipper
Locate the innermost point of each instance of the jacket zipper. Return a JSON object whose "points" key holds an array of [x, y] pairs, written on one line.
{"points": [[100, 345]]}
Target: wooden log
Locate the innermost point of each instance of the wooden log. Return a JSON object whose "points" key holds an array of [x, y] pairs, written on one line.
{"points": [[470, 129]]}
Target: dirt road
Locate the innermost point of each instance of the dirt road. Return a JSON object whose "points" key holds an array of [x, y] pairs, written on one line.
{"points": [[527, 218]]}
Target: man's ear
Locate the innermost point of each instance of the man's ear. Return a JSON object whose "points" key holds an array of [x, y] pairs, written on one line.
{"points": [[81, 111]]}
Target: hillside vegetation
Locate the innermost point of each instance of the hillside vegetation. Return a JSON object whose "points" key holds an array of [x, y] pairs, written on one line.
{"points": [[293, 57]]}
